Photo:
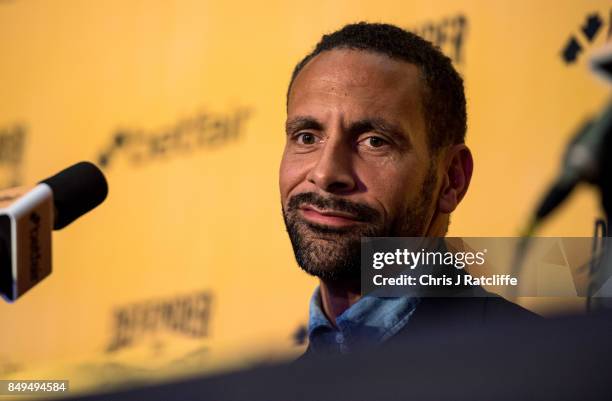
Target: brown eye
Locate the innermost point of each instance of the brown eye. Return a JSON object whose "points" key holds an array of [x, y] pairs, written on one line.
{"points": [[306, 139], [375, 142]]}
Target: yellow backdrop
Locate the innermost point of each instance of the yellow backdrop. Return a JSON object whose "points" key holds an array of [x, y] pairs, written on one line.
{"points": [[186, 267]]}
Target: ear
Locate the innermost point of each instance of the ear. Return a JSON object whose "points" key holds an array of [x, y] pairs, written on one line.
{"points": [[456, 177]]}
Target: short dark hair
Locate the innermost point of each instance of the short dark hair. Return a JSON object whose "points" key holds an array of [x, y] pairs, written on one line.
{"points": [[443, 95]]}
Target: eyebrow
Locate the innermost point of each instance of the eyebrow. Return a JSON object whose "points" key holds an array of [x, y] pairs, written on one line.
{"points": [[302, 122]]}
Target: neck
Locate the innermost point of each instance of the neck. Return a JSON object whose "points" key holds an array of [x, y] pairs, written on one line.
{"points": [[336, 297], [438, 225]]}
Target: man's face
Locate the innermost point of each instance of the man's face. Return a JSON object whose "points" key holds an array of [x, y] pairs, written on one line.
{"points": [[356, 162]]}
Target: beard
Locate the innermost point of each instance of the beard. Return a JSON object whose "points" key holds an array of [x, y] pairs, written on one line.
{"points": [[333, 254]]}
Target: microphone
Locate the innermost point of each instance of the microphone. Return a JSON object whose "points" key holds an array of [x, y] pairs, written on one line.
{"points": [[582, 162], [587, 159], [585, 156], [28, 215]]}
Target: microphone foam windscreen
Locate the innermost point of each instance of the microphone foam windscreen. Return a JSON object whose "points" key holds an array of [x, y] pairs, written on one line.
{"points": [[76, 190]]}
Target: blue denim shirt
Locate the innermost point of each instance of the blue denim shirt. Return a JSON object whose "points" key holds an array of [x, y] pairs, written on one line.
{"points": [[367, 323]]}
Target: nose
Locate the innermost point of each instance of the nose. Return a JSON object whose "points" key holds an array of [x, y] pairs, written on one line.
{"points": [[334, 171]]}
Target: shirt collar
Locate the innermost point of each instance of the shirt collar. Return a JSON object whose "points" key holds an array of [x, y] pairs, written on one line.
{"points": [[369, 321]]}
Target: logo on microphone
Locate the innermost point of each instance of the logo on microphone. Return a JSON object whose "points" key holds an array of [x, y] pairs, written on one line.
{"points": [[35, 248], [12, 149]]}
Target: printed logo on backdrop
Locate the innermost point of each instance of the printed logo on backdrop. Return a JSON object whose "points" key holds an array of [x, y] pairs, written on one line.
{"points": [[204, 131], [593, 24], [12, 150], [449, 34], [186, 316]]}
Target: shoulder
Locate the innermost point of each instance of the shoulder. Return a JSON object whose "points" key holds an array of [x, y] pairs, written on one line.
{"points": [[495, 307], [458, 313], [491, 307]]}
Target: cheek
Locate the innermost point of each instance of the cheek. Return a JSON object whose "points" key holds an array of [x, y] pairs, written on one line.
{"points": [[389, 196], [291, 173], [392, 187]]}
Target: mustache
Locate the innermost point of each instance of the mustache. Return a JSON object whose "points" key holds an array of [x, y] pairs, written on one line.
{"points": [[361, 212]]}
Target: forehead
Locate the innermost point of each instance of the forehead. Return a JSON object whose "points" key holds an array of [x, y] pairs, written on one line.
{"points": [[358, 83]]}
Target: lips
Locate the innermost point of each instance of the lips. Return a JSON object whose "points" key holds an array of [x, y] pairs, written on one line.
{"points": [[333, 218]]}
